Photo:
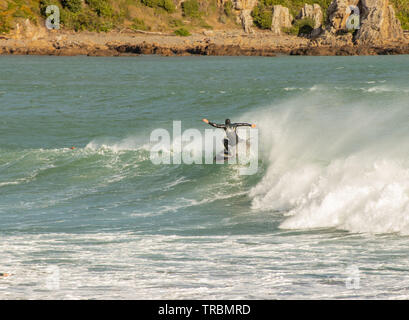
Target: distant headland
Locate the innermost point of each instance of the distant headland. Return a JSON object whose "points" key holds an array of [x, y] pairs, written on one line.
{"points": [[195, 27]]}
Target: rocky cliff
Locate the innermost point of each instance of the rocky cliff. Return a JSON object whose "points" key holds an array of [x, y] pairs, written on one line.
{"points": [[378, 23], [281, 19], [361, 22], [244, 8], [313, 12], [377, 31]]}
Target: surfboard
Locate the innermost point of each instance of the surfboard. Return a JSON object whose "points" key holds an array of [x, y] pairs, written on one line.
{"points": [[222, 157]]}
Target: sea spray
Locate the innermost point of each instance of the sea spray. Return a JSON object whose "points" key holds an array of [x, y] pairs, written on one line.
{"points": [[334, 165]]}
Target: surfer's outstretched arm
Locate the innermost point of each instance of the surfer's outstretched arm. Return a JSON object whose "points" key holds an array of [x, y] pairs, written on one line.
{"points": [[244, 124], [221, 126]]}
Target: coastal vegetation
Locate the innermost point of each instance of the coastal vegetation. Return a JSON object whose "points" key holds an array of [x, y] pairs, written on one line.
{"points": [[159, 15], [402, 12], [183, 32], [301, 27]]}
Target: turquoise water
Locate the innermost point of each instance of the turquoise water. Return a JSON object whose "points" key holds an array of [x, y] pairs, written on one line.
{"points": [[325, 216]]}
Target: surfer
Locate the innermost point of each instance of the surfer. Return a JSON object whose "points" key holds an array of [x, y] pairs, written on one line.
{"points": [[230, 129]]}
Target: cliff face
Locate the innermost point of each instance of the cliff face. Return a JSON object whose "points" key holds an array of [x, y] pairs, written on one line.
{"points": [[281, 19], [338, 14], [244, 8], [26, 30], [244, 4], [312, 11], [377, 23]]}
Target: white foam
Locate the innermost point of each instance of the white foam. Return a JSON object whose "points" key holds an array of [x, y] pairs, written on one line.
{"points": [[383, 88], [175, 183], [130, 143], [337, 166], [127, 265]]}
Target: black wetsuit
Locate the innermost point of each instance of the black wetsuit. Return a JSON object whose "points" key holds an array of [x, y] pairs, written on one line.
{"points": [[231, 135]]}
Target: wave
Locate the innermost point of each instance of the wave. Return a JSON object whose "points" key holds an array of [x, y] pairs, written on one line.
{"points": [[130, 143], [384, 88], [328, 161], [193, 146], [377, 89], [335, 165]]}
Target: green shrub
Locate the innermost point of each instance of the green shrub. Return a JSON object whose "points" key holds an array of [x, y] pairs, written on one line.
{"points": [[102, 7], [5, 24], [72, 5], [78, 21], [176, 23], [25, 12], [402, 12], [301, 27], [139, 24], [228, 8], [105, 26], [150, 3], [86, 19], [98, 16], [305, 29], [43, 4], [404, 19], [19, 14], [204, 24], [293, 31], [182, 32], [262, 16], [168, 5], [190, 9]]}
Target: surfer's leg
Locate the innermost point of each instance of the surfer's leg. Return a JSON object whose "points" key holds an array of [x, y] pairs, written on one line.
{"points": [[226, 146]]}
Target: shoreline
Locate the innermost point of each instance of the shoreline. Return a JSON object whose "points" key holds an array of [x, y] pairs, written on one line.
{"points": [[214, 43]]}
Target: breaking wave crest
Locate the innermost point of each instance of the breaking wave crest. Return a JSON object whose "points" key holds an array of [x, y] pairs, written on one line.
{"points": [[335, 165]]}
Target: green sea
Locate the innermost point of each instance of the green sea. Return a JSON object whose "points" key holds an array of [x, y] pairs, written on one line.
{"points": [[86, 214]]}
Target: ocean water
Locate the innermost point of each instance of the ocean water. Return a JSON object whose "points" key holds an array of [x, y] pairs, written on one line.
{"points": [[326, 215]]}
